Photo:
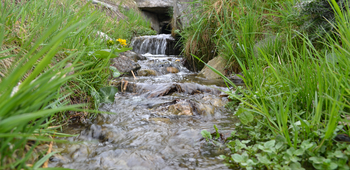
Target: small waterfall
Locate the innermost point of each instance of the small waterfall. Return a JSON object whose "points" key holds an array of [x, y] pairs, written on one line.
{"points": [[154, 44]]}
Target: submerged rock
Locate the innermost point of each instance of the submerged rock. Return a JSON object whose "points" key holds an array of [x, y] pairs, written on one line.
{"points": [[160, 119], [172, 70], [203, 108], [125, 64], [146, 72], [181, 108]]}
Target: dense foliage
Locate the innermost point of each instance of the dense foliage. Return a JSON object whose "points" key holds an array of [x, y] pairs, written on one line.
{"points": [[53, 59], [294, 107]]}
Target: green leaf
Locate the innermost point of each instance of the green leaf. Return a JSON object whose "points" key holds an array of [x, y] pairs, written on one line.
{"points": [[107, 94], [222, 157], [298, 152], [339, 154], [217, 132], [333, 165], [296, 166], [237, 158], [317, 160], [115, 71], [281, 139], [279, 145], [306, 145], [206, 134], [263, 159], [116, 74], [246, 117], [269, 144]]}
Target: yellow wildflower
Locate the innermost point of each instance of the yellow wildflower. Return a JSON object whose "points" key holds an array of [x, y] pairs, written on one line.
{"points": [[122, 41]]}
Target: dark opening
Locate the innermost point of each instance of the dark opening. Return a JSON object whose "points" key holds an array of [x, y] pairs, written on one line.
{"points": [[165, 28], [163, 15]]}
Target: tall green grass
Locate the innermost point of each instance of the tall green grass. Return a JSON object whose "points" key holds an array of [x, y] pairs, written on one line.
{"points": [[38, 38], [296, 90], [27, 108]]}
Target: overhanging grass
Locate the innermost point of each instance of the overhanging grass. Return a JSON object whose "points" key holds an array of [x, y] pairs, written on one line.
{"points": [[296, 93], [38, 38]]}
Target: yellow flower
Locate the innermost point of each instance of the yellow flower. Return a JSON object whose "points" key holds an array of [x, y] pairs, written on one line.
{"points": [[122, 41]]}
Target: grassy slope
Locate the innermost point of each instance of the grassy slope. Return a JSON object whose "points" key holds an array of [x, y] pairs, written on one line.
{"points": [[297, 86], [38, 38]]}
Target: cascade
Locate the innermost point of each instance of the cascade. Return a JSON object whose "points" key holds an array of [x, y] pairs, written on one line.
{"points": [[154, 44]]}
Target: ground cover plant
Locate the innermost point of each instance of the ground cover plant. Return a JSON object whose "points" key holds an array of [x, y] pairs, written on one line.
{"points": [[295, 104], [53, 66]]}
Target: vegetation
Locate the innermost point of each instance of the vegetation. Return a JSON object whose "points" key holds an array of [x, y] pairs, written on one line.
{"points": [[42, 43], [294, 107]]}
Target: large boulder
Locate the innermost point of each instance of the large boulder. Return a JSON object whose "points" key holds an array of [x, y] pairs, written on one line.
{"points": [[125, 64], [218, 63]]}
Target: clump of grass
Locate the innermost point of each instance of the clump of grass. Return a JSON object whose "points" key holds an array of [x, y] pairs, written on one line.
{"points": [[36, 91], [27, 107], [136, 23], [296, 97], [199, 38]]}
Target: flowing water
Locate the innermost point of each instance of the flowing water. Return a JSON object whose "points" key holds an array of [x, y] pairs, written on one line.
{"points": [[157, 122]]}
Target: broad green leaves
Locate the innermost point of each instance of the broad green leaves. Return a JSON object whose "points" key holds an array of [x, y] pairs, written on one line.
{"points": [[107, 94], [115, 72], [206, 135], [244, 115]]}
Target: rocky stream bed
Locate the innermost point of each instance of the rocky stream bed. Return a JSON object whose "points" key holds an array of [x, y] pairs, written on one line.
{"points": [[157, 121]]}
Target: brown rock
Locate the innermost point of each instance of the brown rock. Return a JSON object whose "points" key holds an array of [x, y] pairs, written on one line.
{"points": [[146, 72], [181, 108], [172, 70], [218, 63]]}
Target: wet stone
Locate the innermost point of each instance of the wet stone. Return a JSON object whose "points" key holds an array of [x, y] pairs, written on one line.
{"points": [[181, 108], [124, 64], [160, 119], [134, 56], [146, 72], [172, 70]]}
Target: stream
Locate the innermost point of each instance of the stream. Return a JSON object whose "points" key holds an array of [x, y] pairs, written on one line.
{"points": [[158, 119]]}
